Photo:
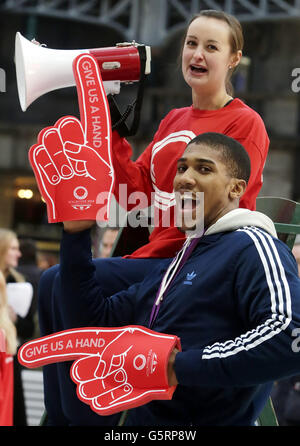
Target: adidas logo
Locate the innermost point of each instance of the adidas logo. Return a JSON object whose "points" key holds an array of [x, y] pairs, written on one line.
{"points": [[189, 278]]}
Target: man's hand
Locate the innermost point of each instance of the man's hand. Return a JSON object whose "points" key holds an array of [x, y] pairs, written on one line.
{"points": [[72, 159], [115, 368], [172, 380]]}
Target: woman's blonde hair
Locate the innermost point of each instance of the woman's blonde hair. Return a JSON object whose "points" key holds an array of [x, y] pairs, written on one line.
{"points": [[6, 238], [5, 322]]}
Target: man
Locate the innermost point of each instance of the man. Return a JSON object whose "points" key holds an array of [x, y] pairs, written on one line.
{"points": [[234, 303]]}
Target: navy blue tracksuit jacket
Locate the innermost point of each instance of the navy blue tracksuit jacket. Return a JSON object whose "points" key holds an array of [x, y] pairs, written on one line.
{"points": [[235, 306]]}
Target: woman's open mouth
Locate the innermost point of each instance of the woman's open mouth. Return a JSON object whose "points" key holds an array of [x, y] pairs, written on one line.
{"points": [[198, 69]]}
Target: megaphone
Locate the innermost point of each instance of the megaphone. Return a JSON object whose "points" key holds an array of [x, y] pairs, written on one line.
{"points": [[40, 69]]}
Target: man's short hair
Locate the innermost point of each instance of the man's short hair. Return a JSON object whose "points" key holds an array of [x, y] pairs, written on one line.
{"points": [[232, 153]]}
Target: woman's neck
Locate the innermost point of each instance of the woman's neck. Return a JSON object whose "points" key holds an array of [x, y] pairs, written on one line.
{"points": [[206, 102]]}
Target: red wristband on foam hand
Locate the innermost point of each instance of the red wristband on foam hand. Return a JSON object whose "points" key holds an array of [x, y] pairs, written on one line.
{"points": [[117, 369]]}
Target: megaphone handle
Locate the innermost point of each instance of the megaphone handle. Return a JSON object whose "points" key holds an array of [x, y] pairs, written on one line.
{"points": [[119, 120], [140, 94]]}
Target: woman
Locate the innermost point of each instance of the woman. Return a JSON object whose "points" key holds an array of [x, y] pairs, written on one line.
{"points": [[212, 49], [8, 346], [9, 255], [9, 259]]}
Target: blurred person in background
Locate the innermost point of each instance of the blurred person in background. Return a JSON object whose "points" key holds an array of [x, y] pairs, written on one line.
{"points": [[107, 242], [28, 264], [8, 348], [32, 272], [9, 258], [103, 239], [46, 260]]}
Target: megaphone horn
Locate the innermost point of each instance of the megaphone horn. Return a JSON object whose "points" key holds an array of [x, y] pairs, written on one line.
{"points": [[40, 69]]}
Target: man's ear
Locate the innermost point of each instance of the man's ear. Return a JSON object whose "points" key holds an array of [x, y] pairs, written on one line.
{"points": [[237, 189]]}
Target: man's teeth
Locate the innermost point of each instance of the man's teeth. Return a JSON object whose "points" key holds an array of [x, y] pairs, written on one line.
{"points": [[189, 203]]}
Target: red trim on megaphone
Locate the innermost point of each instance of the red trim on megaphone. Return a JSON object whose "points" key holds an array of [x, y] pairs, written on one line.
{"points": [[127, 57]]}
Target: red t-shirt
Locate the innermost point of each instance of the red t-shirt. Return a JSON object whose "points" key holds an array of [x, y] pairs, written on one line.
{"points": [[155, 169], [6, 389]]}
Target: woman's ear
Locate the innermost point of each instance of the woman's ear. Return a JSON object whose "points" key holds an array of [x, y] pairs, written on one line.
{"points": [[237, 189], [235, 59]]}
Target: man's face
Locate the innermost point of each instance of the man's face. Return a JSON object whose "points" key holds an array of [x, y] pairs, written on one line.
{"points": [[201, 173]]}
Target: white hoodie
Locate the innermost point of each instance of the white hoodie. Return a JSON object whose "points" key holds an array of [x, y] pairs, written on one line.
{"points": [[239, 218]]}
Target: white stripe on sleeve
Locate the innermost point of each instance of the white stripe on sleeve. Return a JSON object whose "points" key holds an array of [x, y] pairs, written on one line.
{"points": [[280, 301]]}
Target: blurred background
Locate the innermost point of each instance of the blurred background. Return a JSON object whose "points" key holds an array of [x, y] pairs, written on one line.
{"points": [[266, 81]]}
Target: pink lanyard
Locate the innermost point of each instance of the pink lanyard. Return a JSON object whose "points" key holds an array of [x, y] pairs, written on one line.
{"points": [[170, 275]]}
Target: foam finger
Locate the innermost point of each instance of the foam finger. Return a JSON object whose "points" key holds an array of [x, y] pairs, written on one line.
{"points": [[111, 397], [114, 353], [62, 346], [91, 389], [54, 147], [84, 369], [105, 390], [70, 129], [43, 165], [92, 99]]}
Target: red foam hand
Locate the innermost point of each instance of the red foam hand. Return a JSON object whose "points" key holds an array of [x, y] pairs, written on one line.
{"points": [[115, 368], [72, 159]]}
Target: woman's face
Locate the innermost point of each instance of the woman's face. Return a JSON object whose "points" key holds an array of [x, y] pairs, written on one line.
{"points": [[207, 55], [13, 254]]}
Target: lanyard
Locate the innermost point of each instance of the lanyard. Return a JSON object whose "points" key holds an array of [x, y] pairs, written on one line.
{"points": [[170, 275]]}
